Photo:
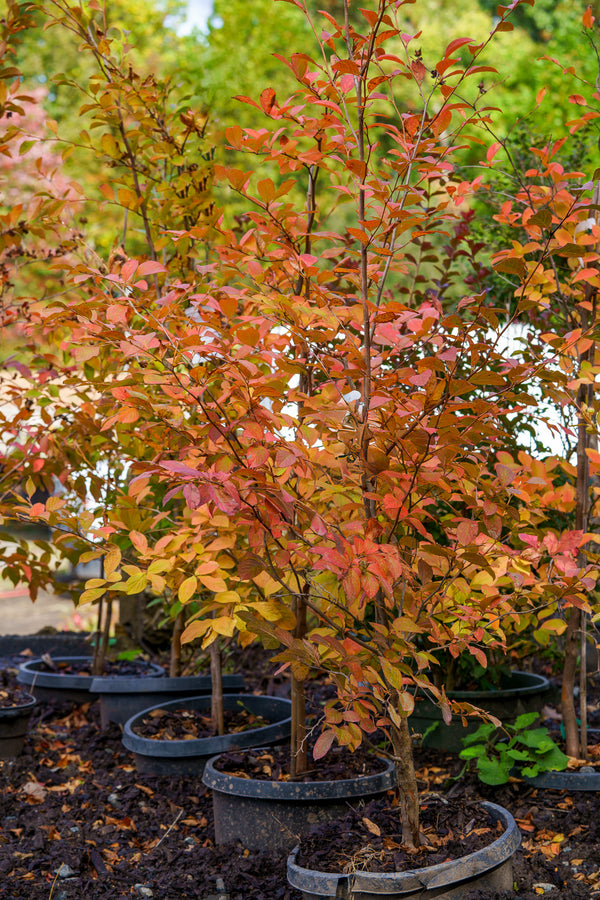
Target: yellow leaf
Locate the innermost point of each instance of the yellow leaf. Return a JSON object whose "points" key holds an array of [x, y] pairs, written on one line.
{"points": [[228, 597], [187, 589], [54, 503], [90, 596], [112, 560], [269, 610], [392, 675], [267, 584], [158, 566], [224, 625], [194, 630], [136, 584]]}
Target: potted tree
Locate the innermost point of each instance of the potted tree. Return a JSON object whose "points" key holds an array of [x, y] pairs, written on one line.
{"points": [[55, 410], [335, 392], [555, 281], [350, 391]]}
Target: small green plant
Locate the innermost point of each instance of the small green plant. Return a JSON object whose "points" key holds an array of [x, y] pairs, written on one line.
{"points": [[498, 751]]}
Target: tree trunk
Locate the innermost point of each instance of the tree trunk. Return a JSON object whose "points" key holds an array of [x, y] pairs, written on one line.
{"points": [[583, 745], [96, 668], [102, 640], [407, 783], [175, 661], [568, 682], [217, 719], [131, 616], [574, 639], [298, 753]]}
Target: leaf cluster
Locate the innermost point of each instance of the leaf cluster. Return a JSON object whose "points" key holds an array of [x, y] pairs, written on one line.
{"points": [[498, 753]]}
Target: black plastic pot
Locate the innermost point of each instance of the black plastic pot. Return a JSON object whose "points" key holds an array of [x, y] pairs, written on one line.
{"points": [[59, 686], [63, 643], [522, 692], [489, 869], [124, 697], [14, 725], [274, 814], [585, 779], [156, 757]]}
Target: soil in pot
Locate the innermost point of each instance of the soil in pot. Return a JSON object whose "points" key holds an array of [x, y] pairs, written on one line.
{"points": [[180, 752], [181, 724], [69, 678], [16, 707], [465, 846], [256, 801]]}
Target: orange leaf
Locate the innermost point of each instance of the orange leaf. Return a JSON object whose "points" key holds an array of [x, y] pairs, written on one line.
{"points": [[588, 18]]}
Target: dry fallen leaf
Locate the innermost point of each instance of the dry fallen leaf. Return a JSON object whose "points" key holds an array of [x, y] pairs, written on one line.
{"points": [[35, 791], [371, 826]]}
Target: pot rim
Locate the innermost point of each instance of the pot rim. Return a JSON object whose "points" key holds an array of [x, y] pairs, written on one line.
{"points": [[538, 684], [298, 791], [585, 779], [118, 684], [209, 746], [29, 675], [436, 876], [7, 712]]}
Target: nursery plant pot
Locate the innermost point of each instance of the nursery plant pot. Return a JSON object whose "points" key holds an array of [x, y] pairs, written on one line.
{"points": [[14, 725], [522, 692], [62, 686], [124, 697], [587, 778], [188, 757], [274, 814], [487, 869]]}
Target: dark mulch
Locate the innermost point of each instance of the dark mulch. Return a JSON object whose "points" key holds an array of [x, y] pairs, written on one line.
{"points": [[123, 667], [273, 764], [184, 724], [77, 821], [369, 838], [13, 697]]}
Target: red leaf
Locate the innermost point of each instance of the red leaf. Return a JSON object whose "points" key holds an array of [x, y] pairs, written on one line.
{"points": [[467, 532], [267, 100], [129, 269], [150, 267], [179, 468], [322, 744], [455, 44]]}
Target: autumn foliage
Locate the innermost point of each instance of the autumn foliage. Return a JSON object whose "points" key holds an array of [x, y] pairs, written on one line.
{"points": [[296, 421]]}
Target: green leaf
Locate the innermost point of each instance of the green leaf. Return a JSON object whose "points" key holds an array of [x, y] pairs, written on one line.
{"points": [[473, 752], [491, 771], [554, 761], [518, 755], [533, 738], [525, 720], [482, 734]]}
